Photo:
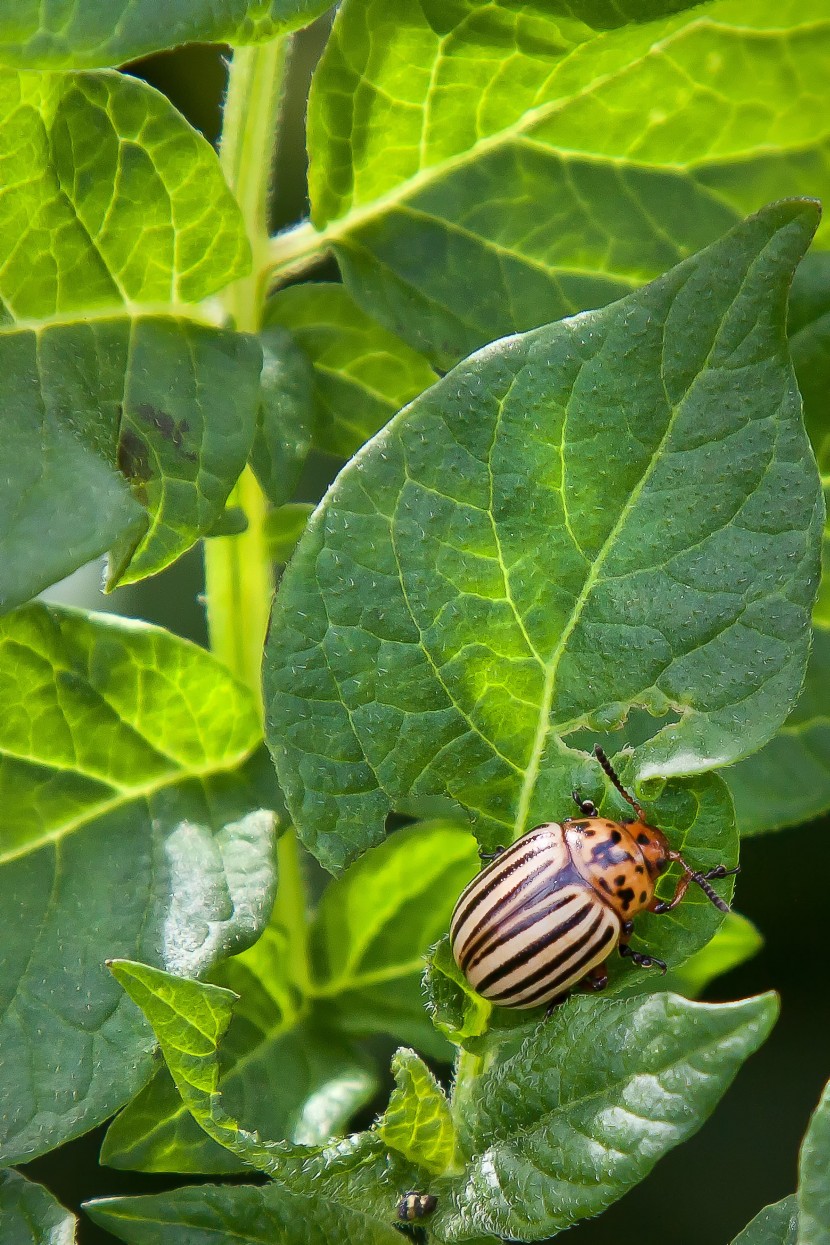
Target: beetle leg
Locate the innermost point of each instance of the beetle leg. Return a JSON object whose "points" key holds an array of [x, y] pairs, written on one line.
{"points": [[641, 960], [721, 872], [486, 856], [666, 905], [557, 1002], [586, 807], [596, 978]]}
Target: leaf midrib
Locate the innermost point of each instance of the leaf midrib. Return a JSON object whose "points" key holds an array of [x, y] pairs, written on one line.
{"points": [[126, 796]]}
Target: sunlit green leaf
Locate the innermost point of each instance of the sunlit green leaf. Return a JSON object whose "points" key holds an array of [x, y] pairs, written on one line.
{"points": [[29, 1214], [603, 147], [814, 1178], [619, 510], [363, 374], [417, 1121], [774, 1225], [280, 1073], [128, 826], [68, 34], [375, 924], [737, 941], [551, 1139], [115, 216], [112, 201]]}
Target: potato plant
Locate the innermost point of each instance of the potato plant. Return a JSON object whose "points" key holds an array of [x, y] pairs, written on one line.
{"points": [[571, 390]]}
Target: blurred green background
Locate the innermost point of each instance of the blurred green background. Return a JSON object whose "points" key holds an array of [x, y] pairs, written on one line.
{"points": [[746, 1154]]}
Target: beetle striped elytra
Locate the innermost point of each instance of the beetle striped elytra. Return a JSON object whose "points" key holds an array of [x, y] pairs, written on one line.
{"points": [[548, 910]]}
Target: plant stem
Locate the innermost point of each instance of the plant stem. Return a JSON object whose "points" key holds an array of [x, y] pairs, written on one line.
{"points": [[238, 574]]}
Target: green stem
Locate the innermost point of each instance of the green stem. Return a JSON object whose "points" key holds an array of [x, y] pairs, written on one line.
{"points": [[239, 580], [290, 909], [238, 573]]}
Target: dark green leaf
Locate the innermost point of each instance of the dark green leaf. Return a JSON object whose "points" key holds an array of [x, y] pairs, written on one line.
{"points": [[283, 433], [620, 510], [258, 1215], [602, 149], [814, 1178], [109, 32], [788, 781], [283, 528], [551, 1138], [417, 1121], [363, 374], [231, 522], [29, 1215], [375, 924], [809, 330], [128, 827], [774, 1225]]}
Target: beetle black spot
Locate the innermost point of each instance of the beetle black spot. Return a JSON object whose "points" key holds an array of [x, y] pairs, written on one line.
{"points": [[639, 869], [642, 896], [627, 897], [642, 837], [605, 885], [616, 836], [620, 880], [589, 834]]}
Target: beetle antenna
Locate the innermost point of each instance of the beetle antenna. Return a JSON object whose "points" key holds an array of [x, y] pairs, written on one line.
{"points": [[610, 771], [708, 890]]}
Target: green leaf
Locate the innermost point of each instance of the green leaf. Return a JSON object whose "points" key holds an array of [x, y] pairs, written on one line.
{"points": [[363, 374], [809, 334], [129, 826], [552, 1138], [260, 1215], [285, 1069], [809, 331], [454, 1007], [737, 941], [563, 528], [459, 225], [417, 1121], [93, 33], [284, 526], [814, 1178], [113, 201], [283, 432], [29, 1215], [116, 216], [190, 1019], [788, 781], [280, 1073], [375, 924], [774, 1225]]}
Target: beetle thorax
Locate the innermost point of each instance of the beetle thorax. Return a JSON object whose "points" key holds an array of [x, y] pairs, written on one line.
{"points": [[620, 861]]}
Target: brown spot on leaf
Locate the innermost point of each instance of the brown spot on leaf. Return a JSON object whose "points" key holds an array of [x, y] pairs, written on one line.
{"points": [[167, 427]]}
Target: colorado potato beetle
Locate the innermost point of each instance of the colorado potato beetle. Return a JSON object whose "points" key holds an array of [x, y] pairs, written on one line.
{"points": [[548, 910], [414, 1206]]}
